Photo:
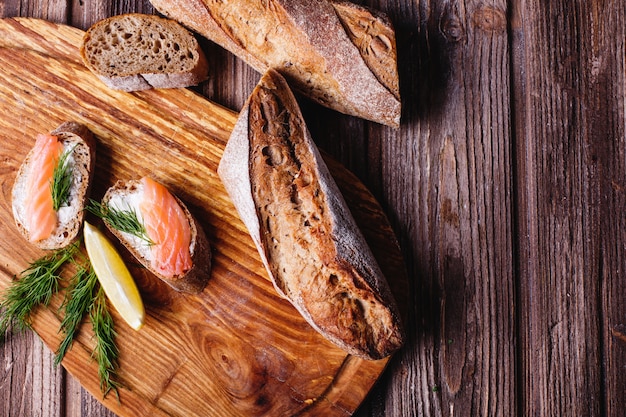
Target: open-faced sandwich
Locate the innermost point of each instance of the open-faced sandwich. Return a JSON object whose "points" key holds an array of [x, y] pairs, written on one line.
{"points": [[158, 229], [52, 186]]}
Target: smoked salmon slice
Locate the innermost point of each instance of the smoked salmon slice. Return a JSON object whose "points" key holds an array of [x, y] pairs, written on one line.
{"points": [[168, 229], [40, 216]]}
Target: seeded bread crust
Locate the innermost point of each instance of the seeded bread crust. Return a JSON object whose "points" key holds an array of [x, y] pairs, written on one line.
{"points": [[132, 52], [341, 55], [309, 242], [72, 135], [194, 280]]}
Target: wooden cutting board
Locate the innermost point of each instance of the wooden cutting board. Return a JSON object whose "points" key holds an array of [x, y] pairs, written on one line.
{"points": [[235, 349]]}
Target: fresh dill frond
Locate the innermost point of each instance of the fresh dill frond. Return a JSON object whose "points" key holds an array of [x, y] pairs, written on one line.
{"points": [[105, 352], [35, 286], [61, 180], [123, 220], [78, 300]]}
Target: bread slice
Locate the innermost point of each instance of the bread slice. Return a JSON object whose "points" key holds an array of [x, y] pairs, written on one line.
{"points": [[341, 55], [127, 196], [134, 51], [312, 248], [77, 138]]}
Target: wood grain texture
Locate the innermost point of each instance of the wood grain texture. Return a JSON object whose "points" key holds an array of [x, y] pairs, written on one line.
{"points": [[230, 350], [514, 121], [570, 126], [446, 180]]}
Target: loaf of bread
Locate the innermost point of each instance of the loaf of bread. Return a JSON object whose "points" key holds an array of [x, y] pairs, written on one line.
{"points": [[309, 242], [340, 54], [130, 196], [32, 204], [133, 52]]}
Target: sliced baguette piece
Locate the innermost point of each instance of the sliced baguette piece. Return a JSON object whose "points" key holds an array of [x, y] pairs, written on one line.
{"points": [[339, 54], [127, 195], [132, 52], [79, 139], [309, 242]]}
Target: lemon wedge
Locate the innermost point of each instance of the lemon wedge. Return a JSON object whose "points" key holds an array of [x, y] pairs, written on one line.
{"points": [[116, 280]]}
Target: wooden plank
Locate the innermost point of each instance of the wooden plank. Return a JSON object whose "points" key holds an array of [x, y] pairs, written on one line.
{"points": [[445, 178], [53, 383], [222, 339], [608, 73], [31, 379], [569, 102]]}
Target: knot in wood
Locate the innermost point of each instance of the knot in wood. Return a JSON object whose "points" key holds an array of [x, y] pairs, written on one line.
{"points": [[489, 19], [450, 25]]}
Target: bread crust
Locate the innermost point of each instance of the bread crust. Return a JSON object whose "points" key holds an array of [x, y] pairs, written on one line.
{"points": [[159, 53], [309, 242], [312, 44], [70, 134], [195, 279]]}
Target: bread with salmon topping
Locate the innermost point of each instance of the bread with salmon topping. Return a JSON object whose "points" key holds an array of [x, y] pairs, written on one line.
{"points": [[129, 196], [310, 244], [79, 143]]}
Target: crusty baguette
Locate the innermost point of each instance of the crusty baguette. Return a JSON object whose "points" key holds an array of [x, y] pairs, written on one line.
{"points": [[311, 246], [126, 196], [339, 54], [80, 140], [134, 52]]}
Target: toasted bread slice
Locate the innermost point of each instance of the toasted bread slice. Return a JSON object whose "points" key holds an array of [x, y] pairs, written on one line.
{"points": [[79, 143], [132, 52], [311, 246], [128, 196]]}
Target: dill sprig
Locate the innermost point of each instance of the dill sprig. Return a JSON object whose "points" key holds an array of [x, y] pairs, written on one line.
{"points": [[123, 220], [35, 286], [78, 300], [105, 352], [61, 180]]}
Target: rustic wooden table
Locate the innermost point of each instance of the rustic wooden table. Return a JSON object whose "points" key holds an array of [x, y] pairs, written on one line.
{"points": [[506, 187]]}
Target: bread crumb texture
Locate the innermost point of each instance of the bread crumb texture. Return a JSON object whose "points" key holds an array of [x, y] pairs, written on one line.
{"points": [[139, 44]]}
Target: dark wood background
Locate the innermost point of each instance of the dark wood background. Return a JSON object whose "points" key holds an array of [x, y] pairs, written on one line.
{"points": [[506, 187]]}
